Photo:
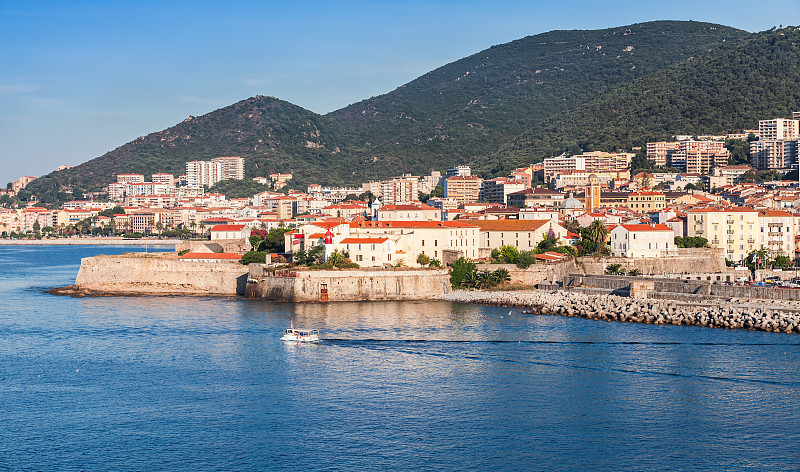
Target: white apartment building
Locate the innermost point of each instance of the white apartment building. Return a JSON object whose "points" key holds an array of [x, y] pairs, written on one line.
{"points": [[641, 240], [130, 178], [776, 147], [208, 173], [776, 232]]}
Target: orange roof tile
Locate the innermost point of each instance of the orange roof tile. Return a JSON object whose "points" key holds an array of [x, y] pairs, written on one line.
{"points": [[364, 240], [228, 227], [211, 255]]}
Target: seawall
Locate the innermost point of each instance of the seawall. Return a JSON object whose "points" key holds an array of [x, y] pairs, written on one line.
{"points": [[346, 285], [159, 274]]}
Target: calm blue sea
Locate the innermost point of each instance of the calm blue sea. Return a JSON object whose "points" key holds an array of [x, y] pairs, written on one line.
{"points": [[185, 383]]}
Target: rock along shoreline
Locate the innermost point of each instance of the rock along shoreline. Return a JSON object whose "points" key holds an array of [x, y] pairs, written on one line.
{"points": [[777, 316]]}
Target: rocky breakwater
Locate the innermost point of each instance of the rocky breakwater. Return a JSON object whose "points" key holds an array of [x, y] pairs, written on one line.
{"points": [[772, 316]]}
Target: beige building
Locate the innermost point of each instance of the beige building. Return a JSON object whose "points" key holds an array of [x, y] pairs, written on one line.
{"points": [[646, 201], [524, 235], [421, 212], [641, 240], [444, 241], [463, 188], [734, 229], [400, 190]]}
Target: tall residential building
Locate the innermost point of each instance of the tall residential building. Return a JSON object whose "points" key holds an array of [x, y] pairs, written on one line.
{"points": [[556, 165], [167, 179], [232, 167], [591, 162], [400, 190], [130, 178], [199, 173], [776, 147], [658, 151], [460, 171], [464, 189], [773, 154], [689, 156], [497, 190]]}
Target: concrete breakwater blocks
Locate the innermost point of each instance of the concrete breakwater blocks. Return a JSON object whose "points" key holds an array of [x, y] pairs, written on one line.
{"points": [[347, 285], [159, 274], [777, 316]]}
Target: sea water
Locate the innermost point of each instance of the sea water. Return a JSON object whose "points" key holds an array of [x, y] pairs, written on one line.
{"points": [[195, 383]]}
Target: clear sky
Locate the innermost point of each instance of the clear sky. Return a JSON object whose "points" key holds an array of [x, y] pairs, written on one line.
{"points": [[80, 78]]}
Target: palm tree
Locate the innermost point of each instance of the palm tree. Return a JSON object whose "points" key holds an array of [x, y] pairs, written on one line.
{"points": [[501, 275], [598, 233]]}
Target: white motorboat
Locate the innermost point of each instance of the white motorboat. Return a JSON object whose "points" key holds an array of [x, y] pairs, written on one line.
{"points": [[300, 335]]}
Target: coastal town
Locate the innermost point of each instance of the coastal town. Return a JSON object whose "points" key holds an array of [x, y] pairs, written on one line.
{"points": [[568, 205]]}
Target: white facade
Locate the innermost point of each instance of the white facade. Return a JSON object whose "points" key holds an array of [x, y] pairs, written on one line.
{"points": [[640, 240]]}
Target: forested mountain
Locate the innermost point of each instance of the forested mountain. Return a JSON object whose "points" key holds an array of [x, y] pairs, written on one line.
{"points": [[471, 107], [273, 136], [510, 104], [727, 90]]}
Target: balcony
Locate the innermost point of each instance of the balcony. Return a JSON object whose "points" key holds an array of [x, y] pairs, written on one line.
{"points": [[730, 251], [730, 231], [731, 241]]}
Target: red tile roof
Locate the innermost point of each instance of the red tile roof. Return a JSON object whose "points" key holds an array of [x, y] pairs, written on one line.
{"points": [[643, 227], [228, 227], [364, 240], [211, 255]]}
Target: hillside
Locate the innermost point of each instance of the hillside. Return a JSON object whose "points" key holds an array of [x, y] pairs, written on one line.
{"points": [[471, 107], [475, 110], [273, 136], [728, 90]]}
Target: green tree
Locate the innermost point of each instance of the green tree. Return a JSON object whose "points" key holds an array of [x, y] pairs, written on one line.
{"points": [[507, 254], [423, 259], [782, 261], [462, 271], [253, 257], [254, 241], [526, 259]]}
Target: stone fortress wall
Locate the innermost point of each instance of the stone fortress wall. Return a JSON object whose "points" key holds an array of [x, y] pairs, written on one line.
{"points": [[159, 274], [346, 285]]}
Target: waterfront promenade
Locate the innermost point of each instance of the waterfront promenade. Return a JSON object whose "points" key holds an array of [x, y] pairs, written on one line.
{"points": [[89, 241]]}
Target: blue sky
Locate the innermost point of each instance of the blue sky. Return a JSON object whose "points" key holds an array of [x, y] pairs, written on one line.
{"points": [[80, 78]]}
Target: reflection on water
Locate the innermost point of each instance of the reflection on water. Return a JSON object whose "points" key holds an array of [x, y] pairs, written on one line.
{"points": [[193, 383]]}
